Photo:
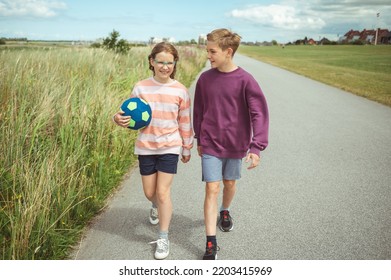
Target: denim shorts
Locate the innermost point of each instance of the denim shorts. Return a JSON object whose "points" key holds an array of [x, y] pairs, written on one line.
{"points": [[216, 169], [150, 164]]}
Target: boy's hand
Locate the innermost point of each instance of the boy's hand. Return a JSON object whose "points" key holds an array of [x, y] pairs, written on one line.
{"points": [[199, 149], [121, 120], [254, 160]]}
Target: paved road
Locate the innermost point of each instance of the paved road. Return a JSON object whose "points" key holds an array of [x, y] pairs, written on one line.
{"points": [[322, 191]]}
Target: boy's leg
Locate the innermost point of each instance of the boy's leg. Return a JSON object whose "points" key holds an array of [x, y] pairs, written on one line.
{"points": [[228, 193], [212, 190], [225, 221], [212, 175]]}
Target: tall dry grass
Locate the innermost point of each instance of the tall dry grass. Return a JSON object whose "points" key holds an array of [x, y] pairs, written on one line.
{"points": [[61, 155]]}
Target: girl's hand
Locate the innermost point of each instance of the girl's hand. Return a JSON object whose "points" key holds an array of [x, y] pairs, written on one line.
{"points": [[121, 120], [185, 159]]}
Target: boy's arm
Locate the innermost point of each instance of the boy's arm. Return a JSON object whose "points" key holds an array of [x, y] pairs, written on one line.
{"points": [[197, 113], [259, 117]]}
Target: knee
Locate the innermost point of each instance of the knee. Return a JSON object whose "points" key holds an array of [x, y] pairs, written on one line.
{"points": [[212, 189], [163, 196], [230, 184], [150, 195]]}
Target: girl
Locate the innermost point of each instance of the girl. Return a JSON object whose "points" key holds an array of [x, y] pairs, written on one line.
{"points": [[169, 135]]}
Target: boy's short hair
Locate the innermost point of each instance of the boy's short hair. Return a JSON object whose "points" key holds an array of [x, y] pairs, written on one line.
{"points": [[225, 39]]}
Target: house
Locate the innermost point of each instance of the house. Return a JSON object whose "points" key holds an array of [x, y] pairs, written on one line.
{"points": [[324, 41], [387, 38], [367, 36], [383, 36], [155, 40], [351, 36], [202, 39]]}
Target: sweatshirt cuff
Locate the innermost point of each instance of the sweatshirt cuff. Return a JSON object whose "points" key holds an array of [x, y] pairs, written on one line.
{"points": [[255, 151]]}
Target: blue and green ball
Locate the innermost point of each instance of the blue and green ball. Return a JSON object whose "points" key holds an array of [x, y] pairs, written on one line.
{"points": [[139, 111]]}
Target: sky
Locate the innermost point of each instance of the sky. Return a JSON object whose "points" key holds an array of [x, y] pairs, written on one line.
{"points": [[254, 20]]}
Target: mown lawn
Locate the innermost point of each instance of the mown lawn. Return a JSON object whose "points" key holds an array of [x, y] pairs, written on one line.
{"points": [[362, 70]]}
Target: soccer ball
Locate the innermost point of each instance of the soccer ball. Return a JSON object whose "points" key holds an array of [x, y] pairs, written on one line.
{"points": [[139, 111]]}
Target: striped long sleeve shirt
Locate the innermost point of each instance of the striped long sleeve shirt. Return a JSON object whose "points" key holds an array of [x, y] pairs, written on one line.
{"points": [[170, 130]]}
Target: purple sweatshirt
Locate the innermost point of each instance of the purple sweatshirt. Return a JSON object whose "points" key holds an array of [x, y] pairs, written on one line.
{"points": [[230, 114]]}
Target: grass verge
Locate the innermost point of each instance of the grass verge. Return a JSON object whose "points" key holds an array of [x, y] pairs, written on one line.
{"points": [[362, 70]]}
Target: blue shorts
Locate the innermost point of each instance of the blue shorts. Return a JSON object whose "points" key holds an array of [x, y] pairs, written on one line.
{"points": [[150, 164], [216, 169]]}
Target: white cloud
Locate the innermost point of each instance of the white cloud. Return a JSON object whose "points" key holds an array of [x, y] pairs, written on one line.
{"points": [[32, 8], [321, 15], [279, 16]]}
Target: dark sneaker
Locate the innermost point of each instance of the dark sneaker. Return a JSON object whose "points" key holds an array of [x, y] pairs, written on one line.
{"points": [[211, 251], [225, 222]]}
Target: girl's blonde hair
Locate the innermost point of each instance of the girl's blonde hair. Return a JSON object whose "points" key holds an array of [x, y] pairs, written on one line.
{"points": [[164, 47], [225, 39]]}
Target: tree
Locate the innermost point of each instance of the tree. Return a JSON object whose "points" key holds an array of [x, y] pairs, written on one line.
{"points": [[122, 46], [112, 43]]}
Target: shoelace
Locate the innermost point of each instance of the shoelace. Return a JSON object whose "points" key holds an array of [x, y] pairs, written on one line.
{"points": [[161, 243], [210, 247], [225, 216], [154, 213]]}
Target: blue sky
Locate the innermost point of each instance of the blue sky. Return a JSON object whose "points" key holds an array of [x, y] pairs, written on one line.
{"points": [[254, 20]]}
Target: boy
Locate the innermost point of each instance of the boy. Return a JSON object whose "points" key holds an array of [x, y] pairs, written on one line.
{"points": [[230, 122]]}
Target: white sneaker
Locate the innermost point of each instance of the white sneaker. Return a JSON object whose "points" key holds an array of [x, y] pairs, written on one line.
{"points": [[153, 216], [162, 248]]}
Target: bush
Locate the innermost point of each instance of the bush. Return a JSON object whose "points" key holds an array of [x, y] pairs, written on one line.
{"points": [[112, 43], [96, 45]]}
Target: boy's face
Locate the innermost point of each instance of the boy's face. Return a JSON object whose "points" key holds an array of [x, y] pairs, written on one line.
{"points": [[217, 57]]}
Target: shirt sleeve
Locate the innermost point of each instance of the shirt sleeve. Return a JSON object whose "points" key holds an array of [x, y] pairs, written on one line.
{"points": [[198, 112], [259, 117], [185, 124]]}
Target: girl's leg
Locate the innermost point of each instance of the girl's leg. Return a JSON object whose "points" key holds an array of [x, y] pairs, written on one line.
{"points": [[212, 190], [163, 198], [149, 187]]}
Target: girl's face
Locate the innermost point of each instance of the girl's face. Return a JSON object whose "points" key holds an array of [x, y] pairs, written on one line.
{"points": [[164, 66], [217, 57]]}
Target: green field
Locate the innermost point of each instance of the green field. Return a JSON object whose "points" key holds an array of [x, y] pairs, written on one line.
{"points": [[362, 70], [61, 154]]}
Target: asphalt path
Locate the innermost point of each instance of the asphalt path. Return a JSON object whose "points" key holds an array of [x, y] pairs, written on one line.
{"points": [[321, 192]]}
